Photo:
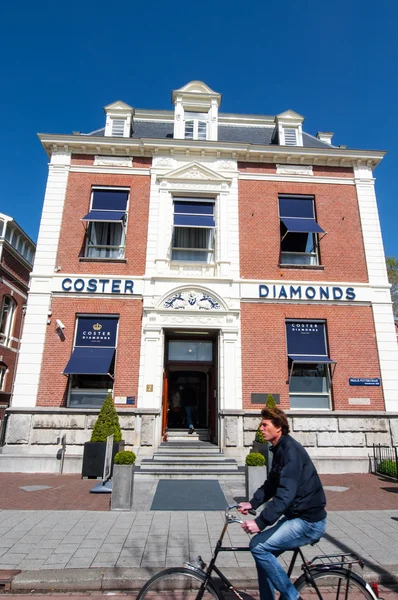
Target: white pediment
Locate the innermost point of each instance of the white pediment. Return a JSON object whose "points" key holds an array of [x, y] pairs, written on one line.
{"points": [[290, 115], [194, 171], [118, 106], [197, 87]]}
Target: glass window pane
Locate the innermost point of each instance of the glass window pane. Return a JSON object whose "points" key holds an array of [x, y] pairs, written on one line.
{"points": [[109, 199], [87, 399], [189, 130], [310, 402], [202, 130], [8, 233], [309, 378], [190, 351], [105, 240], [296, 207]]}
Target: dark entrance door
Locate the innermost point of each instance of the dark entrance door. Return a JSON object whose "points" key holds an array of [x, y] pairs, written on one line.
{"points": [[191, 373]]}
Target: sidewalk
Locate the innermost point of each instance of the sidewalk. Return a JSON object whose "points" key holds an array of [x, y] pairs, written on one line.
{"points": [[102, 550]]}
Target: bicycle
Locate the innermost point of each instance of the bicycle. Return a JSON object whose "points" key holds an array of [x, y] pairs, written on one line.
{"points": [[324, 573]]}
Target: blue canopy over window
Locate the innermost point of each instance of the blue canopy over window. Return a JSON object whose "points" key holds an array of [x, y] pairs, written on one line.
{"points": [[90, 361], [302, 225], [297, 215], [304, 358], [193, 214], [104, 216]]}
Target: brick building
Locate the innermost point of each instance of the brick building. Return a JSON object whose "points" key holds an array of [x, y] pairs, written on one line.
{"points": [[233, 255], [16, 258]]}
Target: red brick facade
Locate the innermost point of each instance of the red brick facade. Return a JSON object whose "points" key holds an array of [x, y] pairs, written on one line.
{"points": [[351, 341], [337, 213], [77, 205], [53, 384]]}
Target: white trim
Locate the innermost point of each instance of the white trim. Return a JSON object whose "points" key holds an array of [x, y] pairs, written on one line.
{"points": [[110, 170], [297, 178]]}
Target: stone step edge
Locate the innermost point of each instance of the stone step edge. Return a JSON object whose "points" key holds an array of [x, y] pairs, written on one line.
{"points": [[133, 578]]}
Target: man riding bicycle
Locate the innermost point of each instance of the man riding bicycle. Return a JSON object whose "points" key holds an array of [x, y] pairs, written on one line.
{"points": [[297, 496]]}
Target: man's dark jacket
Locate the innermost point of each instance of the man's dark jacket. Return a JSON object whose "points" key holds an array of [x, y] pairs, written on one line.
{"points": [[293, 484]]}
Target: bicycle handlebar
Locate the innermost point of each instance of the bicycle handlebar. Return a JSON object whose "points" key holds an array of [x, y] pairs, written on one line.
{"points": [[251, 511]]}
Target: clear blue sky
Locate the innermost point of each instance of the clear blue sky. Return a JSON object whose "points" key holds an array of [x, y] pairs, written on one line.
{"points": [[335, 62]]}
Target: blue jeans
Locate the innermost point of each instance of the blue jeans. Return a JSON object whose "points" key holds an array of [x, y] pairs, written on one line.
{"points": [[269, 544], [188, 414]]}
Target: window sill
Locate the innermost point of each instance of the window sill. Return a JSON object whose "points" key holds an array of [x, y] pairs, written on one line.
{"points": [[308, 267], [108, 260]]}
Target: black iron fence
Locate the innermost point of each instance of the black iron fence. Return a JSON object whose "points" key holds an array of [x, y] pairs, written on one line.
{"points": [[385, 460]]}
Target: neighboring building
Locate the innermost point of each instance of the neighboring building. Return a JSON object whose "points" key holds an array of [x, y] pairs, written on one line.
{"points": [[234, 254], [16, 258]]}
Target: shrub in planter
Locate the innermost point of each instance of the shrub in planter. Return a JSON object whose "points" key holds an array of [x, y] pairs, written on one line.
{"points": [[125, 457], [107, 423], [123, 480], [256, 473], [255, 459]]}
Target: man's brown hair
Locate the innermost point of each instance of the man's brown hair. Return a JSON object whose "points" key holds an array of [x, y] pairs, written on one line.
{"points": [[277, 417]]}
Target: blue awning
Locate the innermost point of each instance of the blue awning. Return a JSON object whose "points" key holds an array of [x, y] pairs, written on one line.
{"points": [[104, 216], [90, 361], [303, 358], [194, 220], [301, 225]]}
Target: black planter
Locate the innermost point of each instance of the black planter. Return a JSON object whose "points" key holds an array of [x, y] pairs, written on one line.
{"points": [[94, 457]]}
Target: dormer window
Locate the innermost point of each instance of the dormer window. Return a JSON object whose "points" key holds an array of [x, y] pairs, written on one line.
{"points": [[119, 119], [196, 126], [288, 129]]}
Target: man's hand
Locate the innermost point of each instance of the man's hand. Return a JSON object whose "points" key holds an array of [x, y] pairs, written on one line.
{"points": [[250, 526], [244, 507]]}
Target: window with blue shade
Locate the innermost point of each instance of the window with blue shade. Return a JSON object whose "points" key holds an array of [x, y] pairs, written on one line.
{"points": [[193, 232], [299, 230], [309, 365], [106, 224]]}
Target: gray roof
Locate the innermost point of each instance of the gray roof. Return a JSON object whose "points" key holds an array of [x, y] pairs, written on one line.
{"points": [[262, 136]]}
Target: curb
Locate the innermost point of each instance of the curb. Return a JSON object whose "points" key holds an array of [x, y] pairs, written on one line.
{"points": [[125, 578]]}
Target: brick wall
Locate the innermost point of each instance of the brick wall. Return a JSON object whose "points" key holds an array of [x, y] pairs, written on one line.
{"points": [[13, 266], [351, 340], [341, 251], [77, 205], [53, 384]]}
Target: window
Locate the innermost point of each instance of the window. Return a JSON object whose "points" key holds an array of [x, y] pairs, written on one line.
{"points": [[190, 351], [299, 231], [118, 127], [196, 126], [3, 373], [106, 224], [310, 368], [193, 234], [7, 320], [290, 136], [91, 366]]}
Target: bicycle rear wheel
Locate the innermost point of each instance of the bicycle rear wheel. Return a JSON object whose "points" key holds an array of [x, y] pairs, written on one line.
{"points": [[177, 583], [336, 584]]}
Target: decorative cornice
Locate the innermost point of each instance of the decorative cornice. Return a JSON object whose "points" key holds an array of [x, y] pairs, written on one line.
{"points": [[92, 145]]}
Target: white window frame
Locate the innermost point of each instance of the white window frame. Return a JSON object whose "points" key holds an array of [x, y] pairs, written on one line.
{"points": [[196, 118], [6, 336], [3, 376], [208, 200], [123, 224], [121, 132], [329, 374]]}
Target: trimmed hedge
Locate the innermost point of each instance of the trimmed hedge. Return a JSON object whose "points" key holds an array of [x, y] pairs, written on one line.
{"points": [[255, 459], [124, 457], [388, 467]]}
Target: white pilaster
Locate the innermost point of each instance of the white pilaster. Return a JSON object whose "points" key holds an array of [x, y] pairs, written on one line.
{"points": [[151, 369], [35, 326], [386, 336], [230, 374]]}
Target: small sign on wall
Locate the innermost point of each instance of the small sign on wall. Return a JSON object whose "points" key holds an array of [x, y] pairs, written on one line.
{"points": [[149, 387], [262, 398], [120, 399], [366, 381], [130, 400]]}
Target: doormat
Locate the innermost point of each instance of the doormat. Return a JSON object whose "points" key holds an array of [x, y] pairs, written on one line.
{"points": [[188, 494]]}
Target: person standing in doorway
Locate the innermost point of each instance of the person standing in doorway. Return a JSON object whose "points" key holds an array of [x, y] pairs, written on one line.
{"points": [[297, 496], [189, 404]]}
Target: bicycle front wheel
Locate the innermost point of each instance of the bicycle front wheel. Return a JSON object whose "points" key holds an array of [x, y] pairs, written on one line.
{"points": [[177, 583], [337, 584]]}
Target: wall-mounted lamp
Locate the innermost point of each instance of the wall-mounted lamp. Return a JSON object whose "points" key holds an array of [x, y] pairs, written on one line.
{"points": [[59, 324]]}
